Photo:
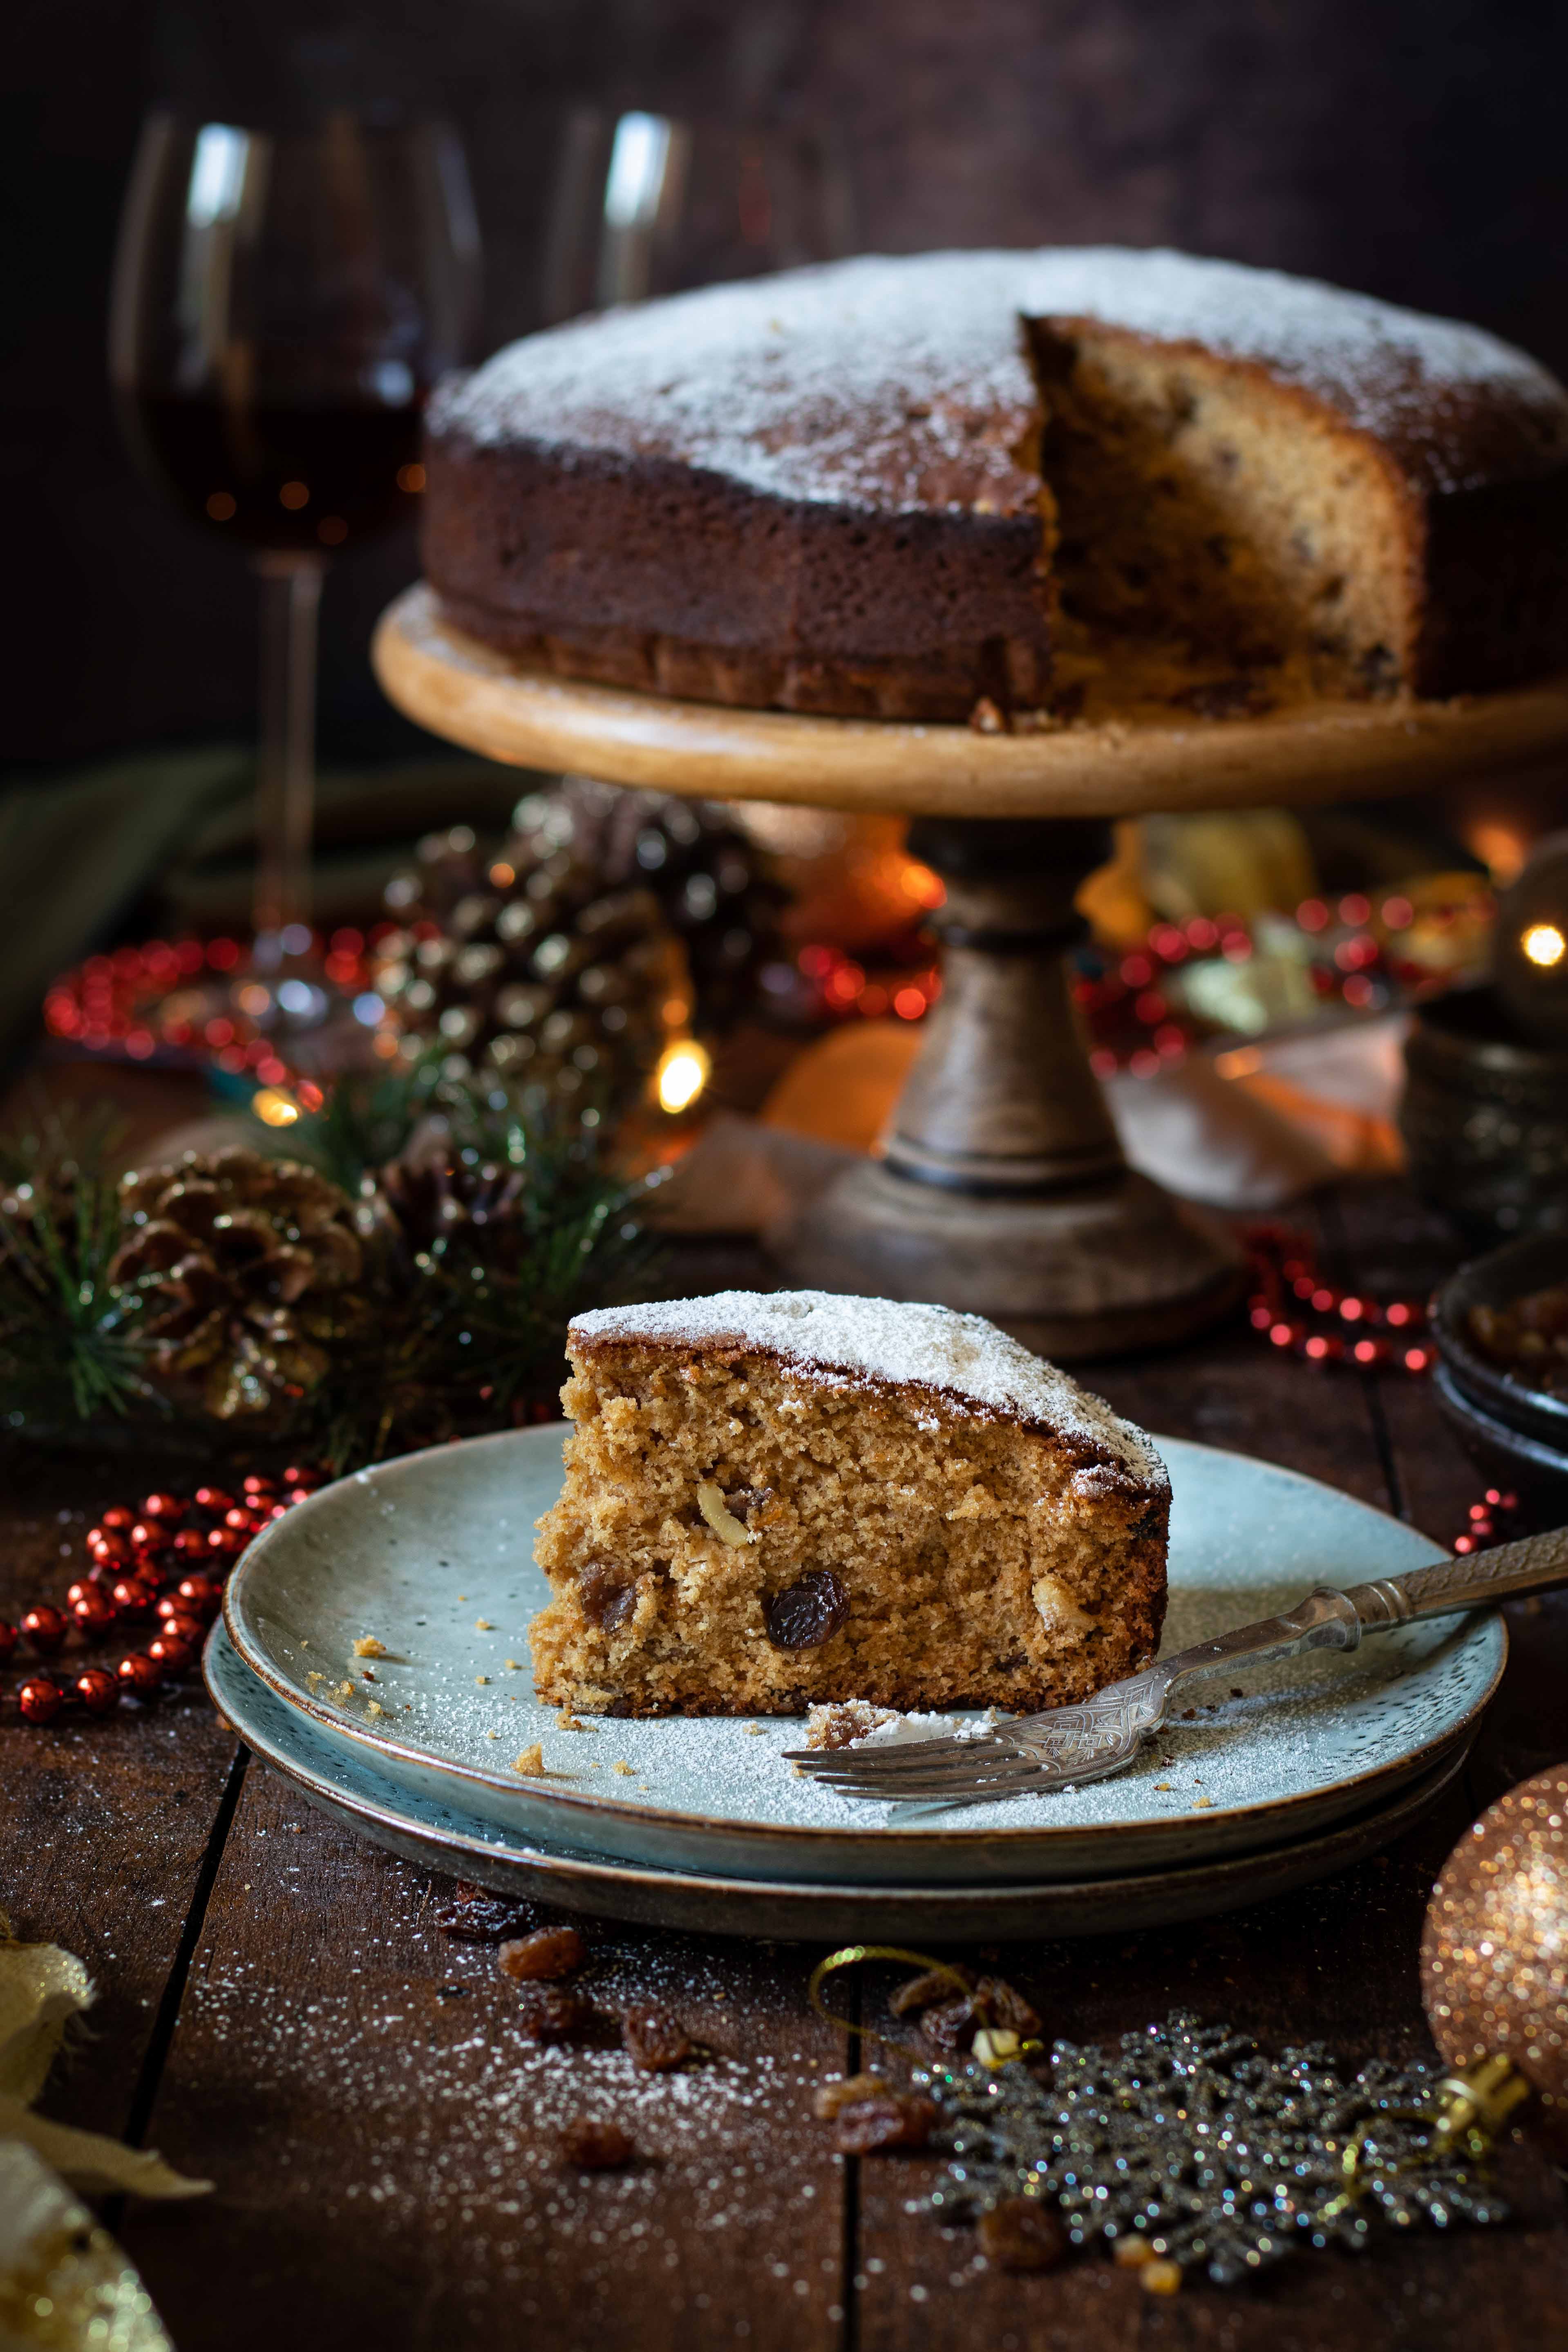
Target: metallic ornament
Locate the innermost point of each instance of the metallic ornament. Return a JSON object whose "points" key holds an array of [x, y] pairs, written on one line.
{"points": [[1189, 2138], [1494, 1951]]}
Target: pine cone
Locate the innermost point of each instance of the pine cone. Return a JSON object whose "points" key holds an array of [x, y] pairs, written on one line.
{"points": [[424, 1210], [716, 886], [542, 976], [243, 1264]]}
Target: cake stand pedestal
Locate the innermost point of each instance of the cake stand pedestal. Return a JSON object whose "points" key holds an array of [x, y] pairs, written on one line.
{"points": [[1001, 1187]]}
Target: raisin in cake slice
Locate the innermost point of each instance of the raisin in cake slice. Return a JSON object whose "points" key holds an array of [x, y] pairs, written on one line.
{"points": [[773, 1500]]}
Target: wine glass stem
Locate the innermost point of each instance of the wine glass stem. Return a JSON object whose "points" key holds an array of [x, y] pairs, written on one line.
{"points": [[286, 776]]}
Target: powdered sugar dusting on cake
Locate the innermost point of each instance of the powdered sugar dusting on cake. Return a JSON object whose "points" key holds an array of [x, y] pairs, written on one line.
{"points": [[904, 382], [831, 1337]]}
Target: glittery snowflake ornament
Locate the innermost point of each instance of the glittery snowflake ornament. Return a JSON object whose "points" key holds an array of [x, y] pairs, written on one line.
{"points": [[1189, 2137]]}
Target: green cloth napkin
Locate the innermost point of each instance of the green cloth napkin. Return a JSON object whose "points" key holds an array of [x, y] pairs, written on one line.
{"points": [[169, 835]]}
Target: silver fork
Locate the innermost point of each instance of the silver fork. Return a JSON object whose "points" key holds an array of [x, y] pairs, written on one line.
{"points": [[1035, 1754]]}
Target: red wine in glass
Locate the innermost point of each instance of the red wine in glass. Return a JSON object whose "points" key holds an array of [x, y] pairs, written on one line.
{"points": [[282, 304], [288, 479]]}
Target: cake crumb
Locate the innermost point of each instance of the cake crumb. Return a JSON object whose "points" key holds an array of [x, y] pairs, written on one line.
{"points": [[367, 1647], [492, 1735], [513, 1665], [567, 1721], [315, 1678], [482, 1678], [1203, 1804], [626, 1771], [483, 1625], [345, 1690], [1163, 1787], [754, 1730], [373, 1706], [531, 1763]]}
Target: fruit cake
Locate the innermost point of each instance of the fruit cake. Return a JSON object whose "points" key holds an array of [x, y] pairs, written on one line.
{"points": [[1077, 483], [774, 1499]]}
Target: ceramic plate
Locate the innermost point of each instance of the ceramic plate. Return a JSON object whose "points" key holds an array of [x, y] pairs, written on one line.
{"points": [[348, 1787], [432, 1555]]}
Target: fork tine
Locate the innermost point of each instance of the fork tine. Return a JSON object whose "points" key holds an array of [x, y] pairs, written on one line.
{"points": [[1001, 1771], [906, 1755], [946, 1791], [898, 1752], [962, 1765]]}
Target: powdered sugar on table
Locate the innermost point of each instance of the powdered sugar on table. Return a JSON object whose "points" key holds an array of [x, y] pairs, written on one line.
{"points": [[962, 1358]]}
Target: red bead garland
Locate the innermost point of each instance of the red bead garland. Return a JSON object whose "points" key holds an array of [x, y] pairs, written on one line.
{"points": [[137, 1001], [164, 1561], [1290, 1305]]}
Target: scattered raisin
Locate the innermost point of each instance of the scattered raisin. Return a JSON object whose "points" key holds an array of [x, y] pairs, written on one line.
{"points": [[1022, 2234], [896, 2119], [746, 1499], [548, 1952], [924, 1992], [807, 1613], [999, 2003], [593, 2146], [473, 1915], [656, 2041], [606, 1601], [949, 2025], [846, 2091], [551, 2013]]}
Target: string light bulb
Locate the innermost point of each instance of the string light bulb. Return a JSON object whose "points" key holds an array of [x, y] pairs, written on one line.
{"points": [[683, 1071], [1544, 944]]}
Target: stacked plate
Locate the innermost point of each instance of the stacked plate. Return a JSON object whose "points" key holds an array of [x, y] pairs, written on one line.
{"points": [[374, 1653]]}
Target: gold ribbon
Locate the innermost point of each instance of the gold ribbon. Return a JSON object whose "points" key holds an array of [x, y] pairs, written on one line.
{"points": [[63, 2282], [993, 2046]]}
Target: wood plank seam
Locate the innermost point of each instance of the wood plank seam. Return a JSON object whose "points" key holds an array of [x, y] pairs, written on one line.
{"points": [[849, 2294], [1339, 1250], [156, 2055]]}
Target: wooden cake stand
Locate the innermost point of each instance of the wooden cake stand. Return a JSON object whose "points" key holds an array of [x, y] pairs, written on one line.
{"points": [[1002, 1188]]}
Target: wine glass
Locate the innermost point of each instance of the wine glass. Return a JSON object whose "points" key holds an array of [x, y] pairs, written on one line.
{"points": [[282, 302], [643, 205]]}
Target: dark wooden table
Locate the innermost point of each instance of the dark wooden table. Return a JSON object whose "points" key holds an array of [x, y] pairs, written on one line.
{"points": [[281, 2014]]}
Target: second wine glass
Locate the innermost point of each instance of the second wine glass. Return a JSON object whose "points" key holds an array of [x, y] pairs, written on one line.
{"points": [[643, 204]]}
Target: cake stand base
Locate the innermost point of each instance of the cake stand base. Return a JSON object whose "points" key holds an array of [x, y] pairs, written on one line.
{"points": [[1114, 1265], [1002, 1188]]}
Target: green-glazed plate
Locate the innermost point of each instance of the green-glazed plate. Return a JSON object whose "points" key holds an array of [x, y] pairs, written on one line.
{"points": [[421, 1828], [420, 1551]]}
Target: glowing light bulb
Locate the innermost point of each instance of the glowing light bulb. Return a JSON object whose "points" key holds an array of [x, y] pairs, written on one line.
{"points": [[273, 1108], [682, 1074], [1544, 944]]}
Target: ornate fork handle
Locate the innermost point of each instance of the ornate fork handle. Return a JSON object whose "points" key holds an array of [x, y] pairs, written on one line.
{"points": [[1483, 1581], [1328, 1619]]}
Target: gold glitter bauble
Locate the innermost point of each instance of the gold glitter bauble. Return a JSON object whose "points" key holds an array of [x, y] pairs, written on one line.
{"points": [[1494, 1951]]}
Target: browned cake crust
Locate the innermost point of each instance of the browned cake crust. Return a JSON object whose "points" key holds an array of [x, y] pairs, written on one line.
{"points": [[890, 488], [745, 1530]]}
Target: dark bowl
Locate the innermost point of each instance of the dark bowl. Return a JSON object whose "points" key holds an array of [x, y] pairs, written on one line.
{"points": [[1507, 1459], [1495, 1280], [1485, 1119]]}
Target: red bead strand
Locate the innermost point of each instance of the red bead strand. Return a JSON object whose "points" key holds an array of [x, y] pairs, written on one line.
{"points": [[164, 1561], [1290, 1305]]}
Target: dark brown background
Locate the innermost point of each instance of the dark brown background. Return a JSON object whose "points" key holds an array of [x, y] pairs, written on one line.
{"points": [[1411, 147]]}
